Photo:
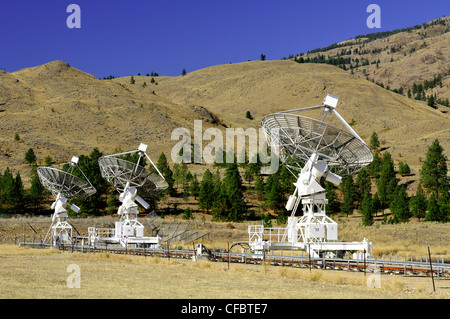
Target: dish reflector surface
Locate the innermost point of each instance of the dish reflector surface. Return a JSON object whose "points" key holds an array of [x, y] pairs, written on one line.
{"points": [[58, 181], [298, 137], [119, 172]]}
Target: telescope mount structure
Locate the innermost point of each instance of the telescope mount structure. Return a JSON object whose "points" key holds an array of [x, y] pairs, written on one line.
{"points": [[127, 177], [313, 151], [64, 185]]}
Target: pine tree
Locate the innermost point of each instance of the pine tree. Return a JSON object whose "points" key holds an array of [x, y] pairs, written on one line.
{"points": [[418, 204], [233, 185], [348, 190], [363, 182], [403, 168], [444, 208], [259, 187], [18, 194], [30, 157], [366, 208], [387, 182], [221, 206], [431, 102], [399, 205], [376, 203], [195, 187], [163, 166], [433, 174], [375, 167], [433, 213], [7, 188], [273, 192], [94, 204], [206, 194], [374, 143]]}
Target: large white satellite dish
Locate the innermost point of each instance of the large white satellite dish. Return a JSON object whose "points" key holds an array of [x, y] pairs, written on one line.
{"points": [[313, 151], [127, 177], [65, 186]]}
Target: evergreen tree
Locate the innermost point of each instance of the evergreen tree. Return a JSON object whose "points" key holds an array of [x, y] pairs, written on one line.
{"points": [[431, 102], [206, 192], [273, 192], [217, 183], [363, 183], [374, 143], [259, 187], [433, 212], [18, 194], [94, 204], [48, 161], [348, 189], [374, 168], [376, 203], [221, 206], [30, 157], [403, 168], [7, 188], [366, 208], [444, 207], [163, 166], [195, 186], [234, 190], [387, 182], [418, 204], [399, 206], [433, 174]]}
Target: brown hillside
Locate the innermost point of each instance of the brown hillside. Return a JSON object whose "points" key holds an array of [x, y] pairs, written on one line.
{"points": [[60, 111], [405, 127], [405, 58]]}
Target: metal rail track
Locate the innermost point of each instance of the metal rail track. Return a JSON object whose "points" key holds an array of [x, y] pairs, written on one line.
{"points": [[406, 268]]}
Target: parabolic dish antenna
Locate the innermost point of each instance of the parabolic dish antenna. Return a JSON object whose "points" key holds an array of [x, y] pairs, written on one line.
{"points": [[64, 184], [127, 177], [121, 173], [314, 151]]}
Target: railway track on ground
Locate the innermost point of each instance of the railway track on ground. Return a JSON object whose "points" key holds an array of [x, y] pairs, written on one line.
{"points": [[400, 267]]}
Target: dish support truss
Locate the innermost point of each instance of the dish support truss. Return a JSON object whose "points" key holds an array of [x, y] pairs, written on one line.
{"points": [[313, 232]]}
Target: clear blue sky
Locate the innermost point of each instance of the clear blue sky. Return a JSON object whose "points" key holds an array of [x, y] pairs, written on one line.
{"points": [[126, 37]]}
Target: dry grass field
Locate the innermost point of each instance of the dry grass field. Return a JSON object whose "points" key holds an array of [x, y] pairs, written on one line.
{"points": [[42, 273], [34, 273]]}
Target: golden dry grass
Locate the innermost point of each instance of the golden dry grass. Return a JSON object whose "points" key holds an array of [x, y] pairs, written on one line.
{"points": [[35, 273]]}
